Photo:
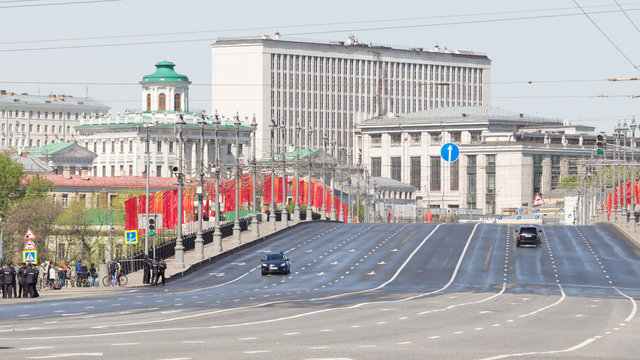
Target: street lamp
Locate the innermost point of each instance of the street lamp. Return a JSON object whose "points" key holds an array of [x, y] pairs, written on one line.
{"points": [[272, 204], [199, 243], [254, 217], [296, 209], [146, 226], [323, 214], [236, 222], [284, 217], [349, 198], [332, 211], [375, 198], [179, 249], [217, 234], [633, 127], [309, 202]]}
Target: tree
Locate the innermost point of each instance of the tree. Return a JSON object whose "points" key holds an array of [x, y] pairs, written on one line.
{"points": [[11, 174], [569, 182], [37, 187], [38, 215], [76, 227]]}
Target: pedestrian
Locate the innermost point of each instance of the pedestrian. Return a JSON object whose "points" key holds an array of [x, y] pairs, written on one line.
{"points": [[30, 280], [52, 276], [1, 280], [155, 267], [94, 274], [62, 274], [21, 274], [9, 276], [43, 273], [161, 269], [146, 267]]}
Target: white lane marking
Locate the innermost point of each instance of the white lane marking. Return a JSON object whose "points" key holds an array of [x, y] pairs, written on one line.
{"points": [[573, 348], [634, 306], [176, 359], [404, 343], [291, 333], [53, 356], [256, 352], [125, 344], [548, 306], [247, 338], [194, 342], [504, 286], [325, 347], [75, 314], [35, 348]]}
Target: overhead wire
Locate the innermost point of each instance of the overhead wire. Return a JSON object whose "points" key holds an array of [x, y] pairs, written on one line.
{"points": [[627, 16], [51, 4]]}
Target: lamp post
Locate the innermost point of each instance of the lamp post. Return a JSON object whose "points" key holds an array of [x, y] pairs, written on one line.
{"points": [[323, 214], [358, 197], [146, 223], [349, 198], [272, 204], [309, 202], [236, 222], [296, 208], [284, 217], [217, 234], [332, 211], [254, 217], [375, 198], [632, 143], [179, 249], [199, 242]]}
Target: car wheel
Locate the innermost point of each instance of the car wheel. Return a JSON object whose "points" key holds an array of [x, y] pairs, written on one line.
{"points": [[264, 273]]}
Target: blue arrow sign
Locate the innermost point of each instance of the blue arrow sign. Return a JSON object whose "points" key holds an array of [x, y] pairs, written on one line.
{"points": [[537, 217], [521, 210], [537, 210], [131, 236], [518, 217], [450, 152], [499, 217]]}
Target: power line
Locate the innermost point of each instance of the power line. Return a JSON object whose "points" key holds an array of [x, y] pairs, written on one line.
{"points": [[350, 30], [51, 4], [605, 35], [627, 16]]}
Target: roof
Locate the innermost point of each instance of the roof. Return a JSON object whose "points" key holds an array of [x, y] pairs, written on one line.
{"points": [[388, 184], [31, 164], [460, 114], [63, 101], [121, 182], [50, 148], [165, 73]]}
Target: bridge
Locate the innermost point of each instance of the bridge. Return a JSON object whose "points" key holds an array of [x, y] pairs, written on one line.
{"points": [[364, 291]]}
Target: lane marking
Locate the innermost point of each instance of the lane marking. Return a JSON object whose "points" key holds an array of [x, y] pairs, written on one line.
{"points": [[53, 356], [35, 348]]}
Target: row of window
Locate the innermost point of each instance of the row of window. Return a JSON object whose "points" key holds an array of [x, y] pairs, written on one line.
{"points": [[162, 102], [415, 138], [38, 115], [35, 128]]}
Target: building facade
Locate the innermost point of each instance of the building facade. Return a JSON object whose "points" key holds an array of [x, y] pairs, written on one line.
{"points": [[120, 141], [327, 89], [38, 120], [505, 157]]}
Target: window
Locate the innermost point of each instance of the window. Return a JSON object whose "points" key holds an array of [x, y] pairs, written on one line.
{"points": [[436, 138], [456, 137], [159, 146], [555, 171], [376, 166], [471, 181], [159, 170], [454, 175], [177, 106], [113, 147], [537, 174], [130, 170], [415, 172], [171, 146], [130, 146], [435, 173], [113, 170], [148, 102], [476, 136], [376, 140], [104, 147], [396, 168], [415, 139], [65, 200], [121, 147], [162, 102], [396, 139]]}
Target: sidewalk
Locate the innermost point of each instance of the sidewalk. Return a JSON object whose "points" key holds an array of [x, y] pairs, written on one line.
{"points": [[191, 264]]}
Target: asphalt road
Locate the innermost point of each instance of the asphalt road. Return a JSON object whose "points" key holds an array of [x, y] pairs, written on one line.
{"points": [[364, 291]]}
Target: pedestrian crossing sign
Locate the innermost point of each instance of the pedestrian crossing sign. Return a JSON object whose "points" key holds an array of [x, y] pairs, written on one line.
{"points": [[131, 236], [30, 257]]}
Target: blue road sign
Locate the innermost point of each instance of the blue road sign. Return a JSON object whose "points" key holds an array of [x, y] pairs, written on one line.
{"points": [[518, 217], [499, 217], [450, 152], [537, 210], [521, 211], [131, 236], [30, 257], [537, 217], [561, 210], [569, 216]]}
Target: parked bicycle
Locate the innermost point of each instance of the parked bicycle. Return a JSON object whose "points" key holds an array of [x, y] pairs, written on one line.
{"points": [[122, 280]]}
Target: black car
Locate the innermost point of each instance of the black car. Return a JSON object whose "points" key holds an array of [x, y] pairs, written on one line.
{"points": [[528, 235], [276, 263]]}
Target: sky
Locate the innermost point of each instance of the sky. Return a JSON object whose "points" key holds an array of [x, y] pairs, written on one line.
{"points": [[549, 58]]}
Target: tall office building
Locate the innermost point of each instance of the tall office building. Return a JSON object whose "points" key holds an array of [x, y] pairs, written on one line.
{"points": [[329, 88]]}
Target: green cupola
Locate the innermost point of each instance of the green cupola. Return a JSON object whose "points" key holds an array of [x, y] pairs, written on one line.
{"points": [[165, 89], [165, 73]]}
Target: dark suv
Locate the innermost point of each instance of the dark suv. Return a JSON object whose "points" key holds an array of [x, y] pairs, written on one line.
{"points": [[528, 235]]}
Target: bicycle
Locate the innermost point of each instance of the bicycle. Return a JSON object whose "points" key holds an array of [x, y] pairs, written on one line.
{"points": [[122, 280]]}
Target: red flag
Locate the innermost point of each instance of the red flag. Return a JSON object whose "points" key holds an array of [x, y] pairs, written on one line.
{"points": [[266, 196], [615, 198], [345, 213], [131, 214]]}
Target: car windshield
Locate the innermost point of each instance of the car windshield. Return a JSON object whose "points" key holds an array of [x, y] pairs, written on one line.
{"points": [[528, 230], [274, 257]]}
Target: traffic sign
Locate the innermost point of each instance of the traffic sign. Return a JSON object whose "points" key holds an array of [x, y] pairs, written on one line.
{"points": [[521, 210], [537, 217], [518, 217], [30, 245], [450, 152], [499, 217], [131, 236], [537, 210], [537, 201], [561, 210], [29, 235], [30, 257]]}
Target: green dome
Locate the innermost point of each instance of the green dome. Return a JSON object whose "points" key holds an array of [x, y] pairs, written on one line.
{"points": [[164, 73]]}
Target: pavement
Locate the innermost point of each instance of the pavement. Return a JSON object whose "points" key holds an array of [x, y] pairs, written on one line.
{"points": [[172, 273]]}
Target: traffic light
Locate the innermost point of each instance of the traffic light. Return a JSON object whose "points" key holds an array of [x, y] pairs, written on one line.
{"points": [[152, 226], [600, 141]]}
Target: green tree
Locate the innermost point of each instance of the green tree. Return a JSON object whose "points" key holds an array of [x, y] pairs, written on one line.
{"points": [[37, 187], [11, 174], [569, 182]]}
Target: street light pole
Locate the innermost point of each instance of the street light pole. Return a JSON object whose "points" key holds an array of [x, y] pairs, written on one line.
{"points": [[254, 217], [323, 214], [309, 202], [217, 234], [199, 242], [284, 217], [146, 223], [236, 222], [632, 143], [179, 249], [296, 208], [272, 204]]}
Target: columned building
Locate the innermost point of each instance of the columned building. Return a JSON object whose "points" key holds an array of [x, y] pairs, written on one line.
{"points": [[330, 88], [120, 141], [38, 120], [505, 157]]}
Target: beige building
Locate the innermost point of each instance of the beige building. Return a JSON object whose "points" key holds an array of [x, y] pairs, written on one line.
{"points": [[505, 157]]}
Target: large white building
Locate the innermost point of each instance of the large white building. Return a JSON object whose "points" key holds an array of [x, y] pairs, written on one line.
{"points": [[330, 88], [38, 120], [505, 157], [120, 140]]}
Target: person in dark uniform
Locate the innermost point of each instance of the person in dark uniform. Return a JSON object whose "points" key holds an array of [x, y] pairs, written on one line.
{"points": [[155, 268], [30, 279], [9, 276], [146, 266], [162, 266], [21, 275], [1, 280]]}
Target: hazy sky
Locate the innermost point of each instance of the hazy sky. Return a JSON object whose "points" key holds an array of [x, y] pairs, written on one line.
{"points": [[103, 48]]}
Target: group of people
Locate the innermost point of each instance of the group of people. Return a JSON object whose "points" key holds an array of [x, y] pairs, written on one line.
{"points": [[19, 283], [75, 274], [153, 270]]}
